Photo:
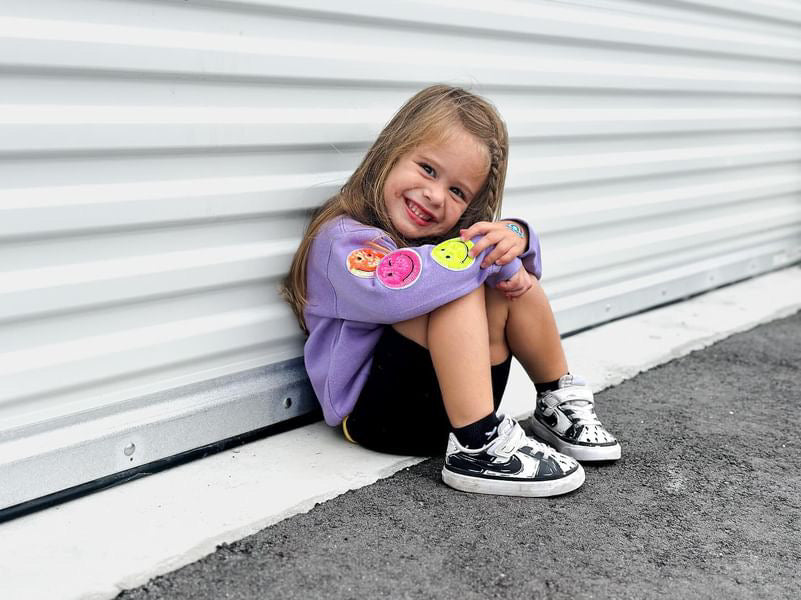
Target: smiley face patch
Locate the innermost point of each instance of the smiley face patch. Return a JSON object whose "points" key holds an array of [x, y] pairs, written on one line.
{"points": [[399, 269], [364, 261], [454, 254]]}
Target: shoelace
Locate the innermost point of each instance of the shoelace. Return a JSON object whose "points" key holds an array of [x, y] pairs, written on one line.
{"points": [[583, 412], [518, 438], [546, 450]]}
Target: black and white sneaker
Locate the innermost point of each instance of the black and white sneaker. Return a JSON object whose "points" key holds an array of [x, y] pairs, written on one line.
{"points": [[510, 465], [565, 418]]}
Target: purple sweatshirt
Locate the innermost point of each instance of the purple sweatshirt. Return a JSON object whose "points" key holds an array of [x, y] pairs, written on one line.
{"points": [[358, 281]]}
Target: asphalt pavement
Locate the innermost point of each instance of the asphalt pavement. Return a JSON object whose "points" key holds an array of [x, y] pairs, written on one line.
{"points": [[705, 503]]}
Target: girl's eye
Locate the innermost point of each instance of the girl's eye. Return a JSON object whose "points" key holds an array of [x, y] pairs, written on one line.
{"points": [[428, 169], [458, 192]]}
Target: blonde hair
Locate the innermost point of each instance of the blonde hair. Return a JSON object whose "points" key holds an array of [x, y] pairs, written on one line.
{"points": [[427, 117]]}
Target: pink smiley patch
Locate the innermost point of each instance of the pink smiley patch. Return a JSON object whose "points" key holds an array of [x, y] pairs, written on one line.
{"points": [[399, 269]]}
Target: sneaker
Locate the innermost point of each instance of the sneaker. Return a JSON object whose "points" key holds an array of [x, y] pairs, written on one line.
{"points": [[510, 465], [565, 418]]}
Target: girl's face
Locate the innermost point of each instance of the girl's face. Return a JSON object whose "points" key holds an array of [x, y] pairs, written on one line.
{"points": [[429, 188]]}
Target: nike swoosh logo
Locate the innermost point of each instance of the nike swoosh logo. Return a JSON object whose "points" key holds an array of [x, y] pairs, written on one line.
{"points": [[468, 462], [546, 467]]}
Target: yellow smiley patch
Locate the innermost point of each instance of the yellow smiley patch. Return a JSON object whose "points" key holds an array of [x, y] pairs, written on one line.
{"points": [[453, 254]]}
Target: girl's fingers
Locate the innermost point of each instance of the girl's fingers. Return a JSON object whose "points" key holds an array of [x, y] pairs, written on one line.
{"points": [[481, 245], [493, 234], [507, 258], [487, 241], [501, 249], [475, 229], [508, 286], [518, 285], [509, 249]]}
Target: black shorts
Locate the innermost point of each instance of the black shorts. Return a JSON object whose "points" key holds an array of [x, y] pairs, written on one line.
{"points": [[400, 409]]}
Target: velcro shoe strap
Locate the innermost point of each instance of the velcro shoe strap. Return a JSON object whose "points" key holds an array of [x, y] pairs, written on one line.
{"points": [[505, 448], [570, 394]]}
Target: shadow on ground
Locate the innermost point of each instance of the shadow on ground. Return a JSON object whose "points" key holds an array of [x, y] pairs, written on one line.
{"points": [[705, 503]]}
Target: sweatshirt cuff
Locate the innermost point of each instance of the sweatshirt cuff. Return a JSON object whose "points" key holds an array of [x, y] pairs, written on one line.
{"points": [[505, 272], [532, 257]]}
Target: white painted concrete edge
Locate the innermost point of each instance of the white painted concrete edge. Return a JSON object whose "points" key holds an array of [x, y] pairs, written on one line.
{"points": [[94, 547]]}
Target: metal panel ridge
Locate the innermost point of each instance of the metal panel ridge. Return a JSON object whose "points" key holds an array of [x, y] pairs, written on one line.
{"points": [[73, 46]]}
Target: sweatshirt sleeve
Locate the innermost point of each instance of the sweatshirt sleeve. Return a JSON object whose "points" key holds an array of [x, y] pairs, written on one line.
{"points": [[531, 258], [386, 285]]}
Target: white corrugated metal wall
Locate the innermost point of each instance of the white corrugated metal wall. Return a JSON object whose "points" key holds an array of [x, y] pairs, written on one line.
{"points": [[158, 159]]}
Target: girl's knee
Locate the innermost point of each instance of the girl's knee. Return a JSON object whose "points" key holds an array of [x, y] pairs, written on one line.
{"points": [[470, 303], [483, 298], [416, 329], [477, 294]]}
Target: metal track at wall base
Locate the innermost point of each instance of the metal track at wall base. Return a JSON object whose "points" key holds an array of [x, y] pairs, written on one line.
{"points": [[665, 287], [73, 493], [104, 449]]}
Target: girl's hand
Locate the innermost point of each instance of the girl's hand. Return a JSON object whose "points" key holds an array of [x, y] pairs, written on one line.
{"points": [[517, 285], [508, 244]]}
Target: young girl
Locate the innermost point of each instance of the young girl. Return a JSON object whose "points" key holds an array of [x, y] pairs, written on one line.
{"points": [[415, 299]]}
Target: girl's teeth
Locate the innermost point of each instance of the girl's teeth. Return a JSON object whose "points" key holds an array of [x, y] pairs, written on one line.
{"points": [[413, 208]]}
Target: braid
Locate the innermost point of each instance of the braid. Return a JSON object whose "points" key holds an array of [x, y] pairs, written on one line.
{"points": [[486, 207], [493, 183]]}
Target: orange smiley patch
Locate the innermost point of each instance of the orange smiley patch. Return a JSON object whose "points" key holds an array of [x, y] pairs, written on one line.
{"points": [[364, 261]]}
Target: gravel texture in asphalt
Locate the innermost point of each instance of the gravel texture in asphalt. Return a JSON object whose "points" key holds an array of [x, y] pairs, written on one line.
{"points": [[705, 503]]}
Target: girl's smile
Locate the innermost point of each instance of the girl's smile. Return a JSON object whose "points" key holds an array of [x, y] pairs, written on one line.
{"points": [[429, 188], [418, 213]]}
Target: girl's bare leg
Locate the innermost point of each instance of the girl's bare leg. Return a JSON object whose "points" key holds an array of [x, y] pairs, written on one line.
{"points": [[533, 336], [457, 336], [467, 335]]}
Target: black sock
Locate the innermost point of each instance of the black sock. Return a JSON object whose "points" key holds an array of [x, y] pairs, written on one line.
{"points": [[548, 386], [479, 433]]}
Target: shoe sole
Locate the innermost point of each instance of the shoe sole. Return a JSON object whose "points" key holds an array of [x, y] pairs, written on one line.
{"points": [[500, 487], [580, 453]]}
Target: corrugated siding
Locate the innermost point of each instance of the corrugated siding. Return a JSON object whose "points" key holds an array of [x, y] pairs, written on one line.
{"points": [[158, 161]]}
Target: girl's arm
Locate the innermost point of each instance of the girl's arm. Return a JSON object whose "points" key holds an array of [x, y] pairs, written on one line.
{"points": [[505, 244], [356, 273]]}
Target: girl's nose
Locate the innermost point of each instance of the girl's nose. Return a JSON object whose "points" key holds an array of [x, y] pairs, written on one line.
{"points": [[435, 194]]}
